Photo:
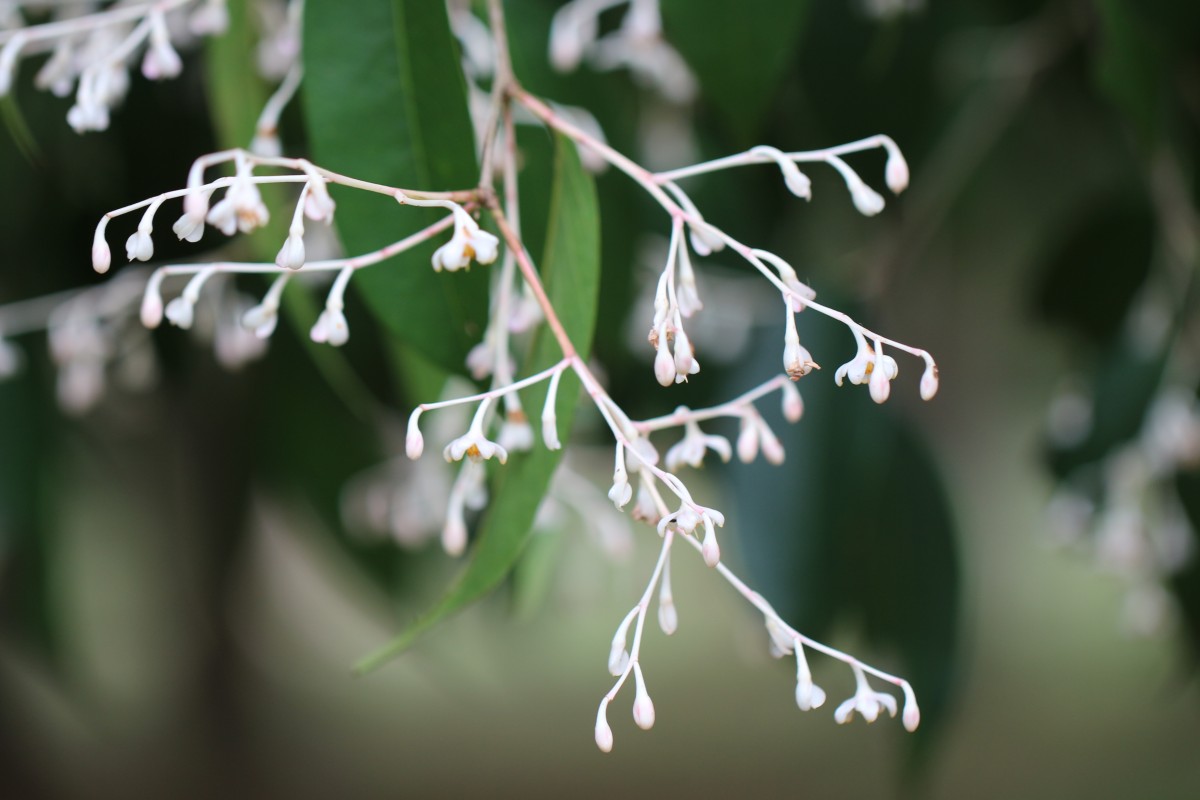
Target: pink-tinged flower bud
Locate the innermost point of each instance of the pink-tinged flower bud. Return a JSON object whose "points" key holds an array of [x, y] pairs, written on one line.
{"points": [[604, 734], [880, 386], [747, 442], [618, 656], [710, 549], [929, 382], [101, 254], [896, 171], [414, 442], [771, 446], [664, 364], [152, 306], [793, 404], [454, 533], [912, 713], [643, 706], [210, 19], [318, 205], [195, 205]]}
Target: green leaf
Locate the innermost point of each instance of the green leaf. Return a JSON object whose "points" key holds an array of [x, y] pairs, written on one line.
{"points": [[856, 524], [235, 92], [571, 273], [386, 102], [1130, 68], [28, 544], [738, 51]]}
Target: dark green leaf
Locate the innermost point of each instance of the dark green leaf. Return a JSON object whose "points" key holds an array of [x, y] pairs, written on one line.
{"points": [[571, 272], [27, 540], [235, 92], [738, 51], [385, 102], [1130, 68], [1115, 241]]}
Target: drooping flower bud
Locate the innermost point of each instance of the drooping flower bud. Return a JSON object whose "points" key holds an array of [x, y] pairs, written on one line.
{"points": [[643, 706], [929, 381]]}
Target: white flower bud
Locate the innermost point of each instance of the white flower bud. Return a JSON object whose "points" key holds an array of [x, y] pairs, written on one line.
{"points": [[929, 382], [101, 254], [809, 695], [261, 319], [604, 734], [318, 205], [710, 549], [139, 246], [331, 328], [195, 205], [880, 386], [747, 442], [621, 491], [454, 533], [792, 403], [181, 312], [291, 255], [896, 171], [683, 353], [643, 706], [161, 61], [189, 228], [152, 306], [664, 364], [868, 201], [210, 19], [414, 442], [771, 446], [550, 431], [912, 713], [668, 617], [618, 657], [267, 145], [704, 241]]}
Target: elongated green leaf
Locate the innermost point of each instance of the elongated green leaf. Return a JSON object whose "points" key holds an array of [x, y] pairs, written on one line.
{"points": [[738, 51], [235, 92], [571, 272], [385, 102]]}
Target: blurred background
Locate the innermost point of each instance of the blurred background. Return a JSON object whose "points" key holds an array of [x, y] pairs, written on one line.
{"points": [[191, 561]]}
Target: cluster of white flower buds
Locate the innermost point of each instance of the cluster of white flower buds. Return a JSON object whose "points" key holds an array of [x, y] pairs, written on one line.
{"points": [[499, 426], [1139, 531], [92, 47], [241, 209], [637, 45]]}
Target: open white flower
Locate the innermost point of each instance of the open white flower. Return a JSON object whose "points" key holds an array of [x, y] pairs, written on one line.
{"points": [[474, 445], [866, 701], [695, 443], [469, 242]]}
